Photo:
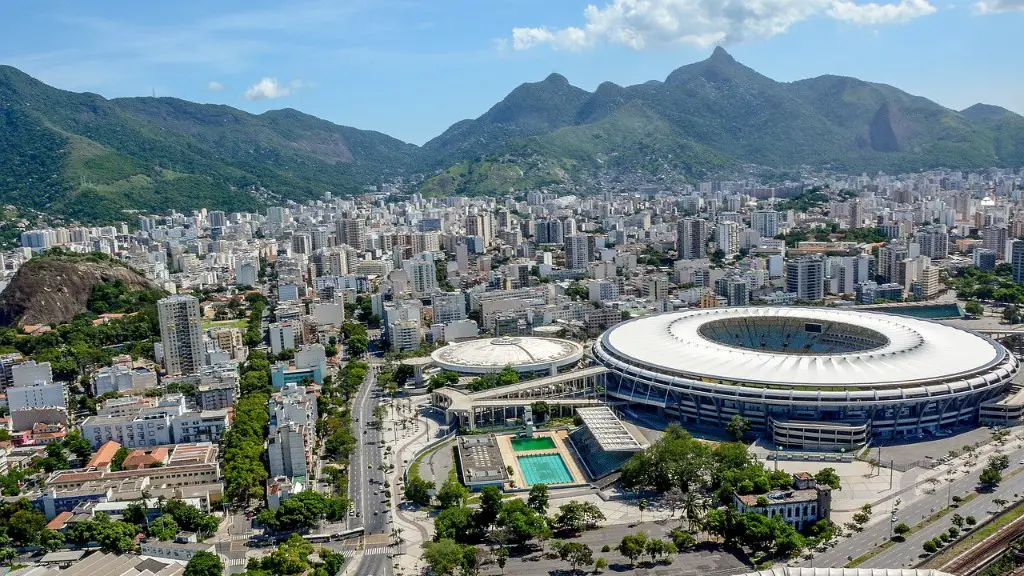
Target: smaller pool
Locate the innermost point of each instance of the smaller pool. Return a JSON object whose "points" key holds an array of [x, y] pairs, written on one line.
{"points": [[544, 469], [531, 444]]}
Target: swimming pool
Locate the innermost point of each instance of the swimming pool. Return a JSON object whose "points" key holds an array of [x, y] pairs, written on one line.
{"points": [[544, 469], [531, 444]]}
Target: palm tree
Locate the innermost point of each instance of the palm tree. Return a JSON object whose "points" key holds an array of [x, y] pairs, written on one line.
{"points": [[642, 506], [693, 507]]}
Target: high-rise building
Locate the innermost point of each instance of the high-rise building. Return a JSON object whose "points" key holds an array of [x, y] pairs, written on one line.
{"points": [[766, 222], [727, 237], [422, 275], [181, 333], [352, 231], [1017, 260], [549, 231], [449, 307], [577, 252], [482, 225], [805, 278], [246, 272], [985, 259], [692, 239], [734, 289], [994, 238], [934, 241]]}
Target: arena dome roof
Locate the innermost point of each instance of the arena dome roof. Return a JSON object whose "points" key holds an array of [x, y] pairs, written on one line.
{"points": [[801, 346], [525, 354]]}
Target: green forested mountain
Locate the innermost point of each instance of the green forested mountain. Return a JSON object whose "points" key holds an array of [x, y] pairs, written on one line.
{"points": [[90, 158], [717, 114]]}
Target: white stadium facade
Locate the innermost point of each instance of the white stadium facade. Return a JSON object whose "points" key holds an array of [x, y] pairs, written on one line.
{"points": [[809, 378]]}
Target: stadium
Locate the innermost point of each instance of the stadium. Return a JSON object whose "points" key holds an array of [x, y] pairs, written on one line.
{"points": [[809, 378]]}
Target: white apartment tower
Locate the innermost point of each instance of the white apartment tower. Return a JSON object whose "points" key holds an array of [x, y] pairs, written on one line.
{"points": [[577, 251], [182, 334]]}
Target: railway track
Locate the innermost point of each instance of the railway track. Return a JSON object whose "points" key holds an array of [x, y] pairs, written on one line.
{"points": [[976, 558]]}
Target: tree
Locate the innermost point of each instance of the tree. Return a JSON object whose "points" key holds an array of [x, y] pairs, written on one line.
{"points": [[576, 554], [642, 506], [77, 445], [973, 308], [164, 528], [990, 476], [682, 539], [51, 540], [501, 558], [738, 427], [828, 477], [861, 518], [522, 522], [417, 489], [490, 506], [957, 520], [447, 557], [538, 499], [601, 565], [135, 513], [456, 524], [115, 537], [540, 411], [452, 493], [656, 548], [204, 564], [633, 546], [25, 526], [901, 529], [674, 499], [1000, 502], [56, 458], [8, 555]]}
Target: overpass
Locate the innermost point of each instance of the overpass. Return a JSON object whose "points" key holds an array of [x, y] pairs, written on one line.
{"points": [[563, 393]]}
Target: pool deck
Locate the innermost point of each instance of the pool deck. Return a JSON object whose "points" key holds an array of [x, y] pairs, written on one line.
{"points": [[560, 437]]}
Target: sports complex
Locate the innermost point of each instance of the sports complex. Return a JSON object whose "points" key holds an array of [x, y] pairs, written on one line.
{"points": [[811, 378]]}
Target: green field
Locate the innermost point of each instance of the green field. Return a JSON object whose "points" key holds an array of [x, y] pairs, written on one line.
{"points": [[240, 324]]}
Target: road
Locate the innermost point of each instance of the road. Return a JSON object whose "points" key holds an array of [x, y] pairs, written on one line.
{"points": [[365, 482], [909, 553]]}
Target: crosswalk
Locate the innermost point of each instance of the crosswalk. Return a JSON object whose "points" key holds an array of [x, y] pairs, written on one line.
{"points": [[237, 561], [377, 550]]}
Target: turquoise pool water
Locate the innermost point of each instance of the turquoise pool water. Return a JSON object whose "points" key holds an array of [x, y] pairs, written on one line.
{"points": [[544, 469], [530, 444]]}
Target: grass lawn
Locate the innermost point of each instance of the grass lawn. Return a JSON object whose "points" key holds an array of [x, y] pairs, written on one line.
{"points": [[241, 324]]}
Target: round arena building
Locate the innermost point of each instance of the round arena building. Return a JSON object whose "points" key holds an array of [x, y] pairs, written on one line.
{"points": [[525, 354], [806, 377]]}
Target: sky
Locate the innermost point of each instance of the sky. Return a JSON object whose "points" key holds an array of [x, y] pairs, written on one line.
{"points": [[411, 68]]}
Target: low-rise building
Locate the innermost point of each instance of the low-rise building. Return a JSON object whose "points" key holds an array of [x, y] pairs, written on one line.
{"points": [[802, 505]]}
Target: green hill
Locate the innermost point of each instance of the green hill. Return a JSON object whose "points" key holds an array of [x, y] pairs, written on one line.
{"points": [[90, 158]]}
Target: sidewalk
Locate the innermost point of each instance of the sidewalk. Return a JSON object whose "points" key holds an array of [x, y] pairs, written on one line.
{"points": [[416, 527]]}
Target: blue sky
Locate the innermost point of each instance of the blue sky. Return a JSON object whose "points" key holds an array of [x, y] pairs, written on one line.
{"points": [[411, 68]]}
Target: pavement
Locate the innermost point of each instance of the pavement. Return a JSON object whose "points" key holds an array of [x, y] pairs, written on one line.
{"points": [[921, 502]]}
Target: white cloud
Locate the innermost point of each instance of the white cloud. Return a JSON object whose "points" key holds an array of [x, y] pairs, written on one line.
{"points": [[266, 89], [215, 86], [641, 24], [998, 6], [871, 14]]}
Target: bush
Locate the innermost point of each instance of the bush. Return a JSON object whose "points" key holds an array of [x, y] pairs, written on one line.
{"points": [[971, 520], [606, 548], [930, 547], [601, 564]]}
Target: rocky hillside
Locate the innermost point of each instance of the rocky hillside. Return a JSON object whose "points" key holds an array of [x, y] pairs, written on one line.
{"points": [[54, 289]]}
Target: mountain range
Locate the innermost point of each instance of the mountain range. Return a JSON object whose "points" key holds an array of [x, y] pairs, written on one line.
{"points": [[87, 157]]}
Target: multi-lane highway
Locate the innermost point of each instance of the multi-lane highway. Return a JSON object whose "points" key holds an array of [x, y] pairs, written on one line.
{"points": [[365, 482], [909, 553]]}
